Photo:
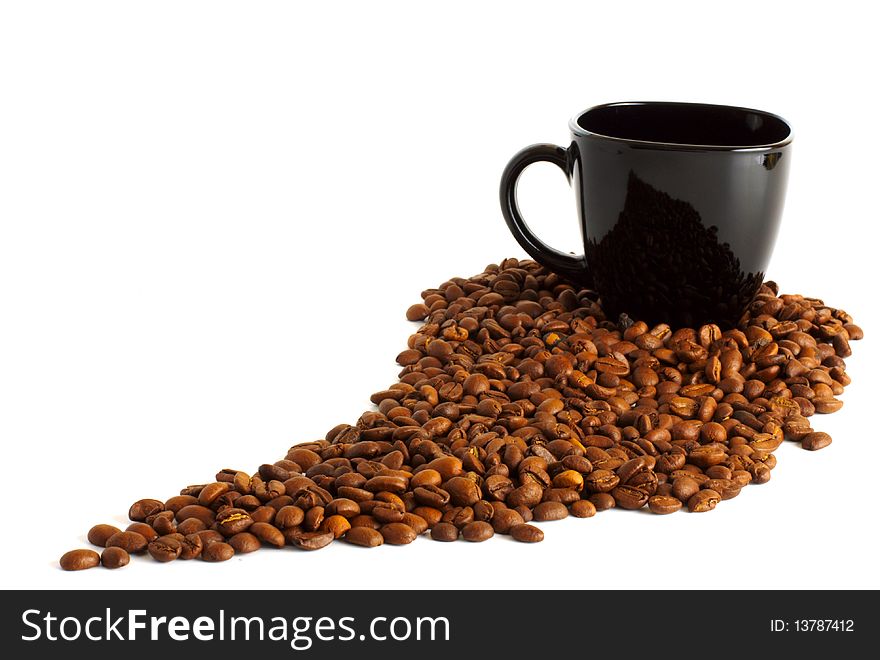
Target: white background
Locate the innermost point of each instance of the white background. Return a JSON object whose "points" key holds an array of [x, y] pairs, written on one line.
{"points": [[214, 216]]}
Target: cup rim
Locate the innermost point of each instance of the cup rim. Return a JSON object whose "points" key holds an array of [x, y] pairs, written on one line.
{"points": [[578, 130]]}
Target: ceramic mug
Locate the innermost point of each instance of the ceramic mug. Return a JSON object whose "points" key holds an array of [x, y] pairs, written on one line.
{"points": [[679, 207]]}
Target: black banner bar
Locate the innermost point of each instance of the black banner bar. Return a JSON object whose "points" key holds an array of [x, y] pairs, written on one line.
{"points": [[429, 624]]}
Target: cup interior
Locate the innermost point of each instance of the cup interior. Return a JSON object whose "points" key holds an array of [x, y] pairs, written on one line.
{"points": [[690, 124]]}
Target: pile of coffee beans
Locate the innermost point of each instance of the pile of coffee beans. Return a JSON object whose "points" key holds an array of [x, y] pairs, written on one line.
{"points": [[519, 401]]}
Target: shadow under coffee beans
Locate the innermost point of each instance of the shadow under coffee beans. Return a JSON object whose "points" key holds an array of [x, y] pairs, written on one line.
{"points": [[519, 400]]}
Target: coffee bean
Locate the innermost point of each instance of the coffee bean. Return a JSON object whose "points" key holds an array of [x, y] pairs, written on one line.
{"points": [[601, 481], [817, 440], [267, 534], [629, 497], [364, 536], [78, 560], [144, 530], [210, 536], [685, 487], [191, 547], [218, 551], [444, 532], [309, 540], [602, 501], [477, 531], [418, 524], [164, 549], [114, 558], [142, 509], [233, 521], [661, 504], [244, 542], [582, 509], [201, 513], [703, 501], [503, 520], [291, 516], [131, 542], [463, 491], [827, 405], [397, 533], [527, 534], [416, 312], [550, 511], [99, 534], [336, 525]]}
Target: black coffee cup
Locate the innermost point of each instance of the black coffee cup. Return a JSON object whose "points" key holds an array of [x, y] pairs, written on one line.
{"points": [[679, 207]]}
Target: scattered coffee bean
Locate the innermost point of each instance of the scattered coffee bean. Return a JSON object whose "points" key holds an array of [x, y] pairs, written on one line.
{"points": [[244, 542], [79, 560], [705, 500], [582, 509], [397, 533], [114, 558], [816, 440], [218, 551], [443, 531], [364, 536], [550, 511], [164, 549], [478, 531], [99, 534], [131, 542], [527, 533], [663, 504]]}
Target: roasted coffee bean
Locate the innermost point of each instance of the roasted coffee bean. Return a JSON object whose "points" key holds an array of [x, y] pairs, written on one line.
{"points": [[445, 532], [477, 531], [662, 504], [582, 509], [629, 497], [191, 546], [144, 530], [202, 513], [397, 533], [267, 534], [244, 542], [217, 552], [142, 509], [550, 511], [337, 525], [209, 536], [131, 542], [816, 440], [233, 521], [504, 519], [114, 558], [291, 516], [602, 501], [519, 400], [164, 548], [309, 540], [527, 534], [703, 501], [685, 487], [418, 524], [99, 534], [78, 560], [364, 536], [463, 491], [190, 526]]}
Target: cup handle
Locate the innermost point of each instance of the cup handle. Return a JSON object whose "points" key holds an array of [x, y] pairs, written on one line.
{"points": [[571, 266]]}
